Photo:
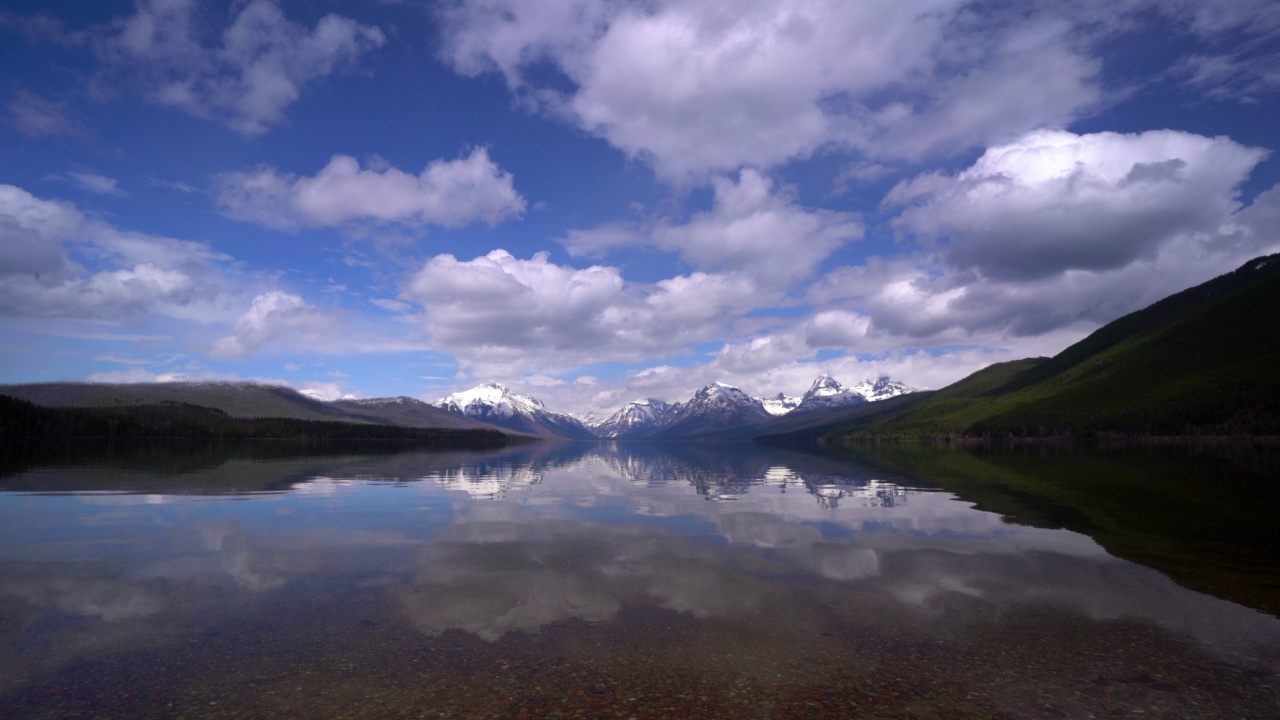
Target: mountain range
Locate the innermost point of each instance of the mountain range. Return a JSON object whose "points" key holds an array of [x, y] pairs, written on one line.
{"points": [[1201, 362], [717, 411], [720, 411]]}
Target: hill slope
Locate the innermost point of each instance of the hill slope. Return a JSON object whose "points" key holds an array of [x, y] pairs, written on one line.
{"points": [[1203, 361], [24, 421], [242, 400]]}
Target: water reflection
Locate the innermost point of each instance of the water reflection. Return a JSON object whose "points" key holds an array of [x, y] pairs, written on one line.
{"points": [[795, 563]]}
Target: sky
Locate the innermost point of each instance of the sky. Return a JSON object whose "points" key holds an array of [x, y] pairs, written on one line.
{"points": [[594, 201]]}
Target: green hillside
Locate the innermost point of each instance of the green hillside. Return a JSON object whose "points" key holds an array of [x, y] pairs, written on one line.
{"points": [[1205, 361]]}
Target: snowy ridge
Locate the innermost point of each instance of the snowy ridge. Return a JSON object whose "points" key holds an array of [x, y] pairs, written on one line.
{"points": [[636, 418], [497, 404], [490, 399], [827, 392], [780, 404], [716, 407], [882, 388], [381, 402]]}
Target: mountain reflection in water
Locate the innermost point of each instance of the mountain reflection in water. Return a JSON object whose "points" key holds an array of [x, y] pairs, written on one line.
{"points": [[560, 578]]}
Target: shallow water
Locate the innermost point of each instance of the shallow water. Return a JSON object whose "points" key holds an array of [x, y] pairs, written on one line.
{"points": [[615, 581]]}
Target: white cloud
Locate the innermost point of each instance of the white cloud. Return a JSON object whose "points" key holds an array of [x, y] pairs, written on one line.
{"points": [[697, 87], [327, 391], [501, 315], [276, 317], [1054, 201], [141, 274], [137, 375], [752, 228], [450, 193], [500, 304], [260, 66]]}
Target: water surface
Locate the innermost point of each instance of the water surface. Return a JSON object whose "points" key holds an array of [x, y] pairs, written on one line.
{"points": [[626, 581]]}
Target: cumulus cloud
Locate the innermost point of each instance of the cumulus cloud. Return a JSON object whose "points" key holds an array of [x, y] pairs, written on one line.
{"points": [[450, 193], [140, 274], [275, 317], [1055, 233], [260, 66], [500, 303], [696, 88], [1054, 201], [501, 314], [752, 227]]}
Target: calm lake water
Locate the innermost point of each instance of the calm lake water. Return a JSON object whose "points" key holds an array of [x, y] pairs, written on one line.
{"points": [[630, 581]]}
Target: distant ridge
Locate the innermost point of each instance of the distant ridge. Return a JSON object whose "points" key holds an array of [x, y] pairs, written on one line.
{"points": [[27, 422], [242, 400]]}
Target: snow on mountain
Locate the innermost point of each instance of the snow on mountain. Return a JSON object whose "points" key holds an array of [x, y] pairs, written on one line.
{"points": [[637, 418], [882, 388], [826, 392], [498, 405], [324, 395], [780, 404], [378, 402], [715, 407]]}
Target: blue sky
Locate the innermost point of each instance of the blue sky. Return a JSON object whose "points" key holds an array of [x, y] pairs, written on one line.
{"points": [[597, 200]]}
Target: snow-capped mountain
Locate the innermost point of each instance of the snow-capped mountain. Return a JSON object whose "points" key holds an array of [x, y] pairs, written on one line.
{"points": [[882, 388], [637, 418], [827, 392], [780, 404], [497, 405], [714, 408]]}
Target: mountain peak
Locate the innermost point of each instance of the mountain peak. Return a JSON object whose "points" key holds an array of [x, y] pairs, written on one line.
{"points": [[826, 385], [881, 388], [826, 391], [495, 403], [636, 418]]}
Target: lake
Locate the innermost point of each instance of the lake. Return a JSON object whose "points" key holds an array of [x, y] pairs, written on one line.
{"points": [[599, 580]]}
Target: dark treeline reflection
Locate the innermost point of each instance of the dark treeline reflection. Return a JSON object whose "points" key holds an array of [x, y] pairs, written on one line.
{"points": [[1204, 513]]}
